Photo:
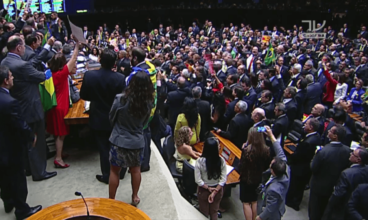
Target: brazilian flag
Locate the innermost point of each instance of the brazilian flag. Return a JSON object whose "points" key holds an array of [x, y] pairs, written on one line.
{"points": [[270, 57], [47, 35], [47, 93]]}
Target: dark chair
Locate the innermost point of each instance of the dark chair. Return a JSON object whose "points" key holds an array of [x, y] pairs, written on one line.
{"points": [[188, 183], [296, 131], [168, 152]]}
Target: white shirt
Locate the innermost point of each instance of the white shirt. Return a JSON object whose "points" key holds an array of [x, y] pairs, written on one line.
{"points": [[340, 92], [201, 177], [286, 100]]}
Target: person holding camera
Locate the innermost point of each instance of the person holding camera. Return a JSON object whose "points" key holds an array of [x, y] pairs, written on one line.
{"points": [[275, 189]]}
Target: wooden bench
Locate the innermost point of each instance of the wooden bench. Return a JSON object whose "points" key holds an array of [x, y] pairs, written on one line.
{"points": [[229, 152], [286, 143], [100, 207]]}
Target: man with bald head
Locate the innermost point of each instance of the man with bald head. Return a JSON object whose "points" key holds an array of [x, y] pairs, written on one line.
{"points": [[258, 116], [175, 100], [25, 90], [318, 113]]}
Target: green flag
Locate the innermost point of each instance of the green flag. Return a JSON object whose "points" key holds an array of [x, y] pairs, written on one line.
{"points": [[270, 57]]}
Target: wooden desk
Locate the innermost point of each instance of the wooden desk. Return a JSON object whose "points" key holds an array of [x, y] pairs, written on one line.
{"points": [[228, 151], [356, 117], [76, 113], [101, 207]]}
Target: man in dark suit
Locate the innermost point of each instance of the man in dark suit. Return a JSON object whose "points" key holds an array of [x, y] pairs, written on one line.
{"points": [[348, 181], [32, 43], [123, 63], [14, 135], [277, 83], [326, 167], [250, 95], [26, 91], [58, 28], [204, 111], [86, 33], [230, 68], [317, 113], [300, 97], [237, 131], [282, 70], [314, 94], [295, 73], [267, 104], [339, 117], [290, 104], [300, 163], [175, 100], [56, 47], [281, 123], [100, 88], [358, 203]]}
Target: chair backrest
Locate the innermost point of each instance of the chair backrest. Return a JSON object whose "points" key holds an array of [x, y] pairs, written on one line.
{"points": [[168, 149], [189, 184]]}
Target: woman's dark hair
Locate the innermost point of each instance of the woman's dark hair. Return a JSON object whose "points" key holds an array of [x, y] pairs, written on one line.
{"points": [[253, 80], [238, 90], [57, 62], [139, 93], [213, 160], [228, 92], [98, 51], [342, 78], [190, 111]]}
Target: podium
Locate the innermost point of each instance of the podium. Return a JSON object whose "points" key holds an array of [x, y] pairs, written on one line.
{"points": [[99, 209]]}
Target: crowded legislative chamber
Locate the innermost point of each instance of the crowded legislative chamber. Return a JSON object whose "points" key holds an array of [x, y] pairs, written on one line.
{"points": [[183, 109]]}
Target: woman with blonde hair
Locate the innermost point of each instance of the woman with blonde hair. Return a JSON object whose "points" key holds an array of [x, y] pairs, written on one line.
{"points": [[183, 150], [255, 159]]}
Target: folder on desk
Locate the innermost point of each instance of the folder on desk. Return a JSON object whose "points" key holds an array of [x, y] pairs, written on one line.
{"points": [[229, 169]]}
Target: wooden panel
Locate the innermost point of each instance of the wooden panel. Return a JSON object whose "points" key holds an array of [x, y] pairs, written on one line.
{"points": [[233, 177], [356, 117], [76, 113], [102, 207]]}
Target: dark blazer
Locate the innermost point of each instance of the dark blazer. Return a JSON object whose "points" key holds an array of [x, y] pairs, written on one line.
{"points": [[125, 63], [321, 79], [300, 160], [348, 136], [14, 131], [313, 97], [291, 111], [277, 89], [237, 131], [205, 113], [230, 112], [35, 59], [326, 167], [174, 102], [280, 127], [300, 98], [284, 72], [358, 203], [250, 98], [25, 89], [100, 87], [348, 181], [269, 109], [231, 70], [221, 76]]}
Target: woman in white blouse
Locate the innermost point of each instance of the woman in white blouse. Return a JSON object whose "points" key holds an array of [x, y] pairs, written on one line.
{"points": [[341, 88], [210, 175]]}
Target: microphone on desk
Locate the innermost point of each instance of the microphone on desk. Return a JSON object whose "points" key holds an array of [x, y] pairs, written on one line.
{"points": [[80, 194]]}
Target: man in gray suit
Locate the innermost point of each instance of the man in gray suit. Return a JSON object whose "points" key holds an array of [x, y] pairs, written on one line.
{"points": [[275, 189], [25, 90]]}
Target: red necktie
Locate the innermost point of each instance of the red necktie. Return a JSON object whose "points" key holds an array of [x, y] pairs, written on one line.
{"points": [[250, 65]]}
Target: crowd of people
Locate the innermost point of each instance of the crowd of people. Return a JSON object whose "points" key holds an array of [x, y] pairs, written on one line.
{"points": [[255, 87]]}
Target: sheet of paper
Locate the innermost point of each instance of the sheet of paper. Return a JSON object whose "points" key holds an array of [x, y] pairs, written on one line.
{"points": [[229, 169], [77, 32]]}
